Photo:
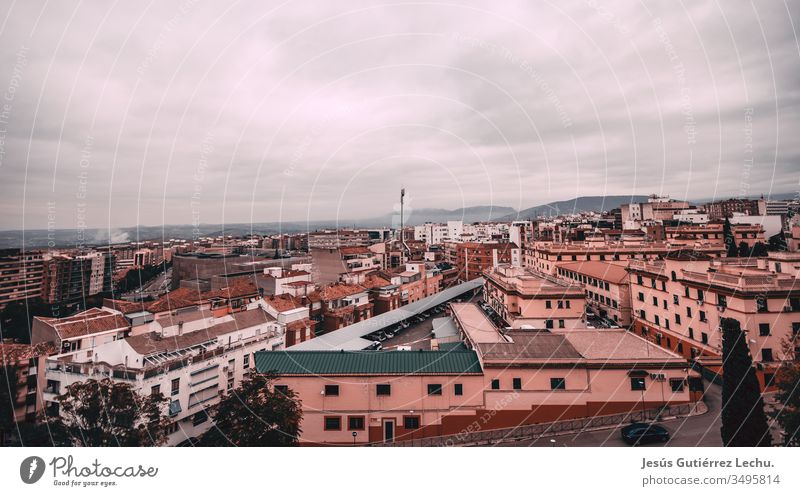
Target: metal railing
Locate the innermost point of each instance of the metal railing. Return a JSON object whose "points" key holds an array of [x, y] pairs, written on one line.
{"points": [[535, 431]]}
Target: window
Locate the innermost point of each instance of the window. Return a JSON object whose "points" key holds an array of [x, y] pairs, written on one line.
{"points": [[655, 301], [495, 383], [516, 383], [658, 320], [691, 333], [761, 304], [246, 362], [560, 304], [663, 285], [567, 304], [637, 384], [458, 389], [689, 312], [561, 323], [333, 423], [331, 390], [383, 389], [700, 296], [673, 276], [641, 296], [548, 324], [155, 390], [675, 299], [176, 386], [665, 304], [704, 338], [722, 301], [434, 389], [411, 422], [702, 316], [763, 329], [676, 385], [686, 291], [678, 318], [766, 354], [558, 383], [355, 423], [199, 417], [639, 280], [548, 304], [680, 347]]}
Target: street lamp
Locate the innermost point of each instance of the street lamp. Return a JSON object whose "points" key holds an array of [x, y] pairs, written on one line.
{"points": [[355, 435]]}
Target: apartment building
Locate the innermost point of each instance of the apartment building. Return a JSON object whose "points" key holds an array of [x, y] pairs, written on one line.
{"points": [[472, 258], [21, 275], [525, 299], [343, 305], [678, 303], [338, 238], [606, 285], [70, 278], [80, 333], [192, 369], [27, 363], [293, 315], [726, 208], [534, 376], [546, 257]]}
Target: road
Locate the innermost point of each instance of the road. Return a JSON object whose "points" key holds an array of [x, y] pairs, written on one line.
{"points": [[700, 430]]}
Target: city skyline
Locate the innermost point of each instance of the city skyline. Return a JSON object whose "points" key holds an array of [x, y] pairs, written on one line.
{"points": [[118, 116]]}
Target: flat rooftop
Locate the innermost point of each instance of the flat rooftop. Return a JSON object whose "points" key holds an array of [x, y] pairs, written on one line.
{"points": [[350, 338]]}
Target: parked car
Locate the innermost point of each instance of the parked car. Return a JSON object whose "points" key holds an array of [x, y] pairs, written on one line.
{"points": [[642, 433], [405, 325], [382, 336], [389, 334], [376, 345]]}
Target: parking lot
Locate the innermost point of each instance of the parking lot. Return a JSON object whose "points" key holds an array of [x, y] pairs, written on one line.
{"points": [[416, 336]]}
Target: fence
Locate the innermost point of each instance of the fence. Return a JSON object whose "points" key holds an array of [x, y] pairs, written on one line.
{"points": [[533, 431]]}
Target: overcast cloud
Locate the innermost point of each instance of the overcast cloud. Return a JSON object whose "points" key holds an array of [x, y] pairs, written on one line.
{"points": [[117, 114]]}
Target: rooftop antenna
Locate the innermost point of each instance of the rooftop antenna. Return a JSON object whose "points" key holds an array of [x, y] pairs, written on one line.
{"points": [[403, 247]]}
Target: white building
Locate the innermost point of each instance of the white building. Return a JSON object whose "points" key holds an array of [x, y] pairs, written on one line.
{"points": [[192, 369]]}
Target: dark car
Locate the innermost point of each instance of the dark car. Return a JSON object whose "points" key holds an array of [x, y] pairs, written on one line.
{"points": [[640, 433]]}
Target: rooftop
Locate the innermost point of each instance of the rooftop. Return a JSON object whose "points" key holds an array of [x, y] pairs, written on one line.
{"points": [[368, 362], [92, 321]]}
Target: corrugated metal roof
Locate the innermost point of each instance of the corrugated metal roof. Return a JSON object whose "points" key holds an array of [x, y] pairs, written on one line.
{"points": [[368, 362], [349, 338]]}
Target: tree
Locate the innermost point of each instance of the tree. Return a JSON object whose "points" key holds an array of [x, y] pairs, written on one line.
{"points": [[256, 414], [730, 243], [744, 250], [778, 242], [743, 420], [787, 382], [8, 400], [108, 413], [759, 250]]}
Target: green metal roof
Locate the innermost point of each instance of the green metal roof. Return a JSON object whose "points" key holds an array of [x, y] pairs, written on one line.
{"points": [[367, 362]]}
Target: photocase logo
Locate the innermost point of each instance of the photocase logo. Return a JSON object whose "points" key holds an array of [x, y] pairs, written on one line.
{"points": [[31, 469]]}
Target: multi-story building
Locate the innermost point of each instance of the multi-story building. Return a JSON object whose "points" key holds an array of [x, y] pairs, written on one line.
{"points": [[606, 285], [546, 257], [472, 258], [332, 265], [678, 304], [536, 376], [73, 278], [523, 298], [338, 238], [343, 305], [26, 362], [293, 315], [21, 275], [726, 208], [191, 369], [80, 333]]}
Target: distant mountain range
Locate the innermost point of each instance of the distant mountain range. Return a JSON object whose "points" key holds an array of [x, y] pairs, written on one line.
{"points": [[41, 238]]}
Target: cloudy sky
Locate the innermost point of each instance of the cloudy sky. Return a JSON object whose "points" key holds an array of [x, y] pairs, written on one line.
{"points": [[125, 113]]}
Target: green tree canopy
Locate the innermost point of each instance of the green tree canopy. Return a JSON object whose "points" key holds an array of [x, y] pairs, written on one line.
{"points": [[743, 420], [108, 413], [256, 414]]}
